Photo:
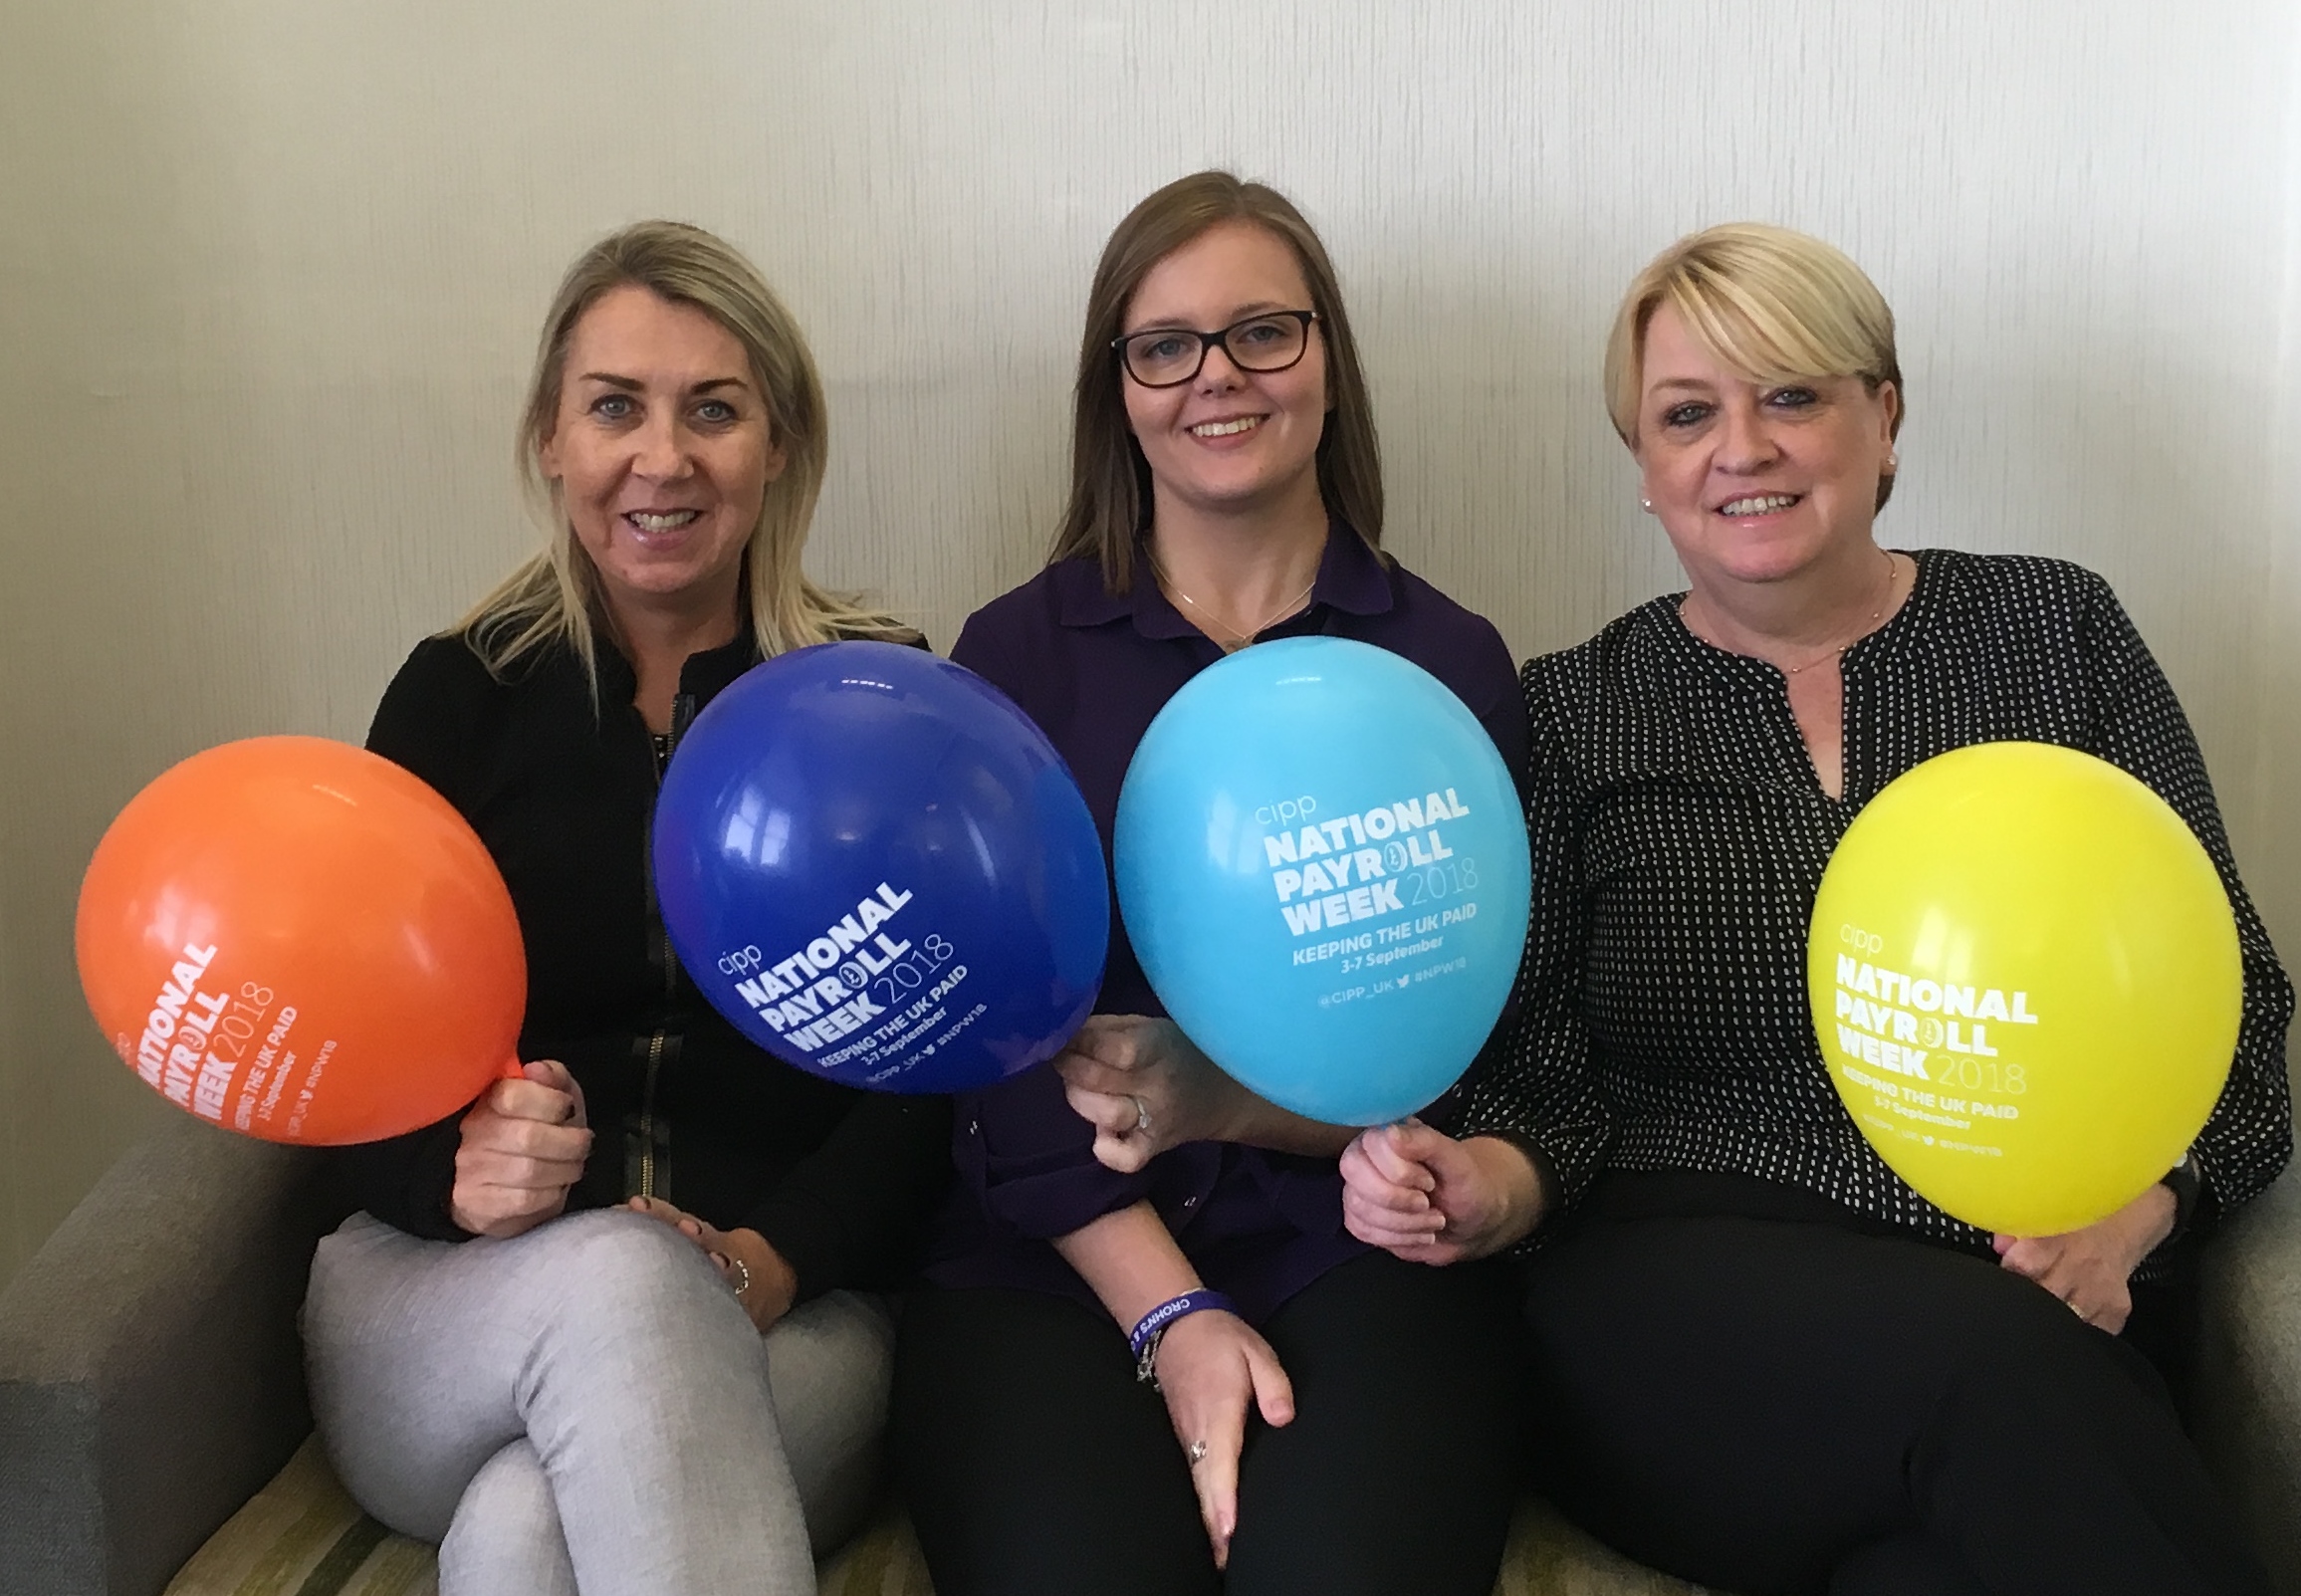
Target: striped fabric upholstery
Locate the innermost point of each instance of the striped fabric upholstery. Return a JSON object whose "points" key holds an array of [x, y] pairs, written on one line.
{"points": [[302, 1536]]}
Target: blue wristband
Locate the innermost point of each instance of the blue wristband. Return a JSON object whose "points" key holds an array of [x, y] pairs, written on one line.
{"points": [[1198, 1301]]}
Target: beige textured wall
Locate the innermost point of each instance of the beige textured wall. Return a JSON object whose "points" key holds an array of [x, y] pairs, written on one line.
{"points": [[269, 271]]}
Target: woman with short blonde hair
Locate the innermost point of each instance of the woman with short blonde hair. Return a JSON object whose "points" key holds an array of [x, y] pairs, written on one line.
{"points": [[1766, 1363], [1773, 305]]}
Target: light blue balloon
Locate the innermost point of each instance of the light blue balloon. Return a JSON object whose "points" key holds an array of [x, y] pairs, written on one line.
{"points": [[1322, 864]]}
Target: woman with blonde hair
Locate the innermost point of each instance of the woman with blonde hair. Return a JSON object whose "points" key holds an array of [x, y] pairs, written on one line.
{"points": [[608, 1329], [1763, 1361], [1182, 1375]]}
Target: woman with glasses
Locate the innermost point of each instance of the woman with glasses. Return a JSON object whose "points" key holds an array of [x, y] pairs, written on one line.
{"points": [[1763, 1361], [1186, 1376]]}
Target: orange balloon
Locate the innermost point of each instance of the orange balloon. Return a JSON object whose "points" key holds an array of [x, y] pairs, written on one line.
{"points": [[297, 939]]}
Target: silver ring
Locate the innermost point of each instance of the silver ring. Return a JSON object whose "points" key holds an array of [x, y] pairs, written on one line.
{"points": [[1141, 1115], [1197, 1453]]}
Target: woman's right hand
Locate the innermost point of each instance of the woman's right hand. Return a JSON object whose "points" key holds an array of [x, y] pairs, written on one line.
{"points": [[1146, 1088], [524, 1145], [1420, 1195], [1210, 1364]]}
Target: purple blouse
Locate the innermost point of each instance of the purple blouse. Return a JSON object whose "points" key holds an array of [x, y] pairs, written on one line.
{"points": [[1092, 669]]}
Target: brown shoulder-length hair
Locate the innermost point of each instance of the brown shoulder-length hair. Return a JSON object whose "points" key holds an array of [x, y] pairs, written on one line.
{"points": [[1111, 495]]}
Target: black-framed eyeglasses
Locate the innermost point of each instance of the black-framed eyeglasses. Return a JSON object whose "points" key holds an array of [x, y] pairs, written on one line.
{"points": [[1168, 356]]}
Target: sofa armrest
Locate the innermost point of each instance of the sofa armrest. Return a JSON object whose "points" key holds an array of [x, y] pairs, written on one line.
{"points": [[2248, 1383], [151, 1375]]}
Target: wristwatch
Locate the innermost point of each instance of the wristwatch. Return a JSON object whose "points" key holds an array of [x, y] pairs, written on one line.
{"points": [[2187, 1184]]}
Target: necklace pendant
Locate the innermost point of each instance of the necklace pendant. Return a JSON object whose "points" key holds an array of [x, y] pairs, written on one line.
{"points": [[1243, 638]]}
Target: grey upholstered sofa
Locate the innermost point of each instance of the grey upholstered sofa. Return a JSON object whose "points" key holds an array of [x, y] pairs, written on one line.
{"points": [[151, 1384]]}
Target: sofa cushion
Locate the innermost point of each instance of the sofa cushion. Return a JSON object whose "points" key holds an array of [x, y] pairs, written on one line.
{"points": [[302, 1535]]}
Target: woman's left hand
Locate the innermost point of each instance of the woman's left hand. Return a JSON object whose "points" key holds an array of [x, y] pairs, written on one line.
{"points": [[2089, 1269], [767, 1289], [1211, 1366]]}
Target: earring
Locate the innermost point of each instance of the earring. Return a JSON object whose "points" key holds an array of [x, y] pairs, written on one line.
{"points": [[1893, 461], [1646, 504]]}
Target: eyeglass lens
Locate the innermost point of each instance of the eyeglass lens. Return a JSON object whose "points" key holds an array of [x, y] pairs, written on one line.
{"points": [[1165, 357]]}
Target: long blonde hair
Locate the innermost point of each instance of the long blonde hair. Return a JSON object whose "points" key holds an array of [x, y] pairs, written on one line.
{"points": [[554, 597]]}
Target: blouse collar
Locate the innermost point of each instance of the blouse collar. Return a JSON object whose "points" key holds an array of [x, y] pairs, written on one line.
{"points": [[1685, 647], [1352, 577]]}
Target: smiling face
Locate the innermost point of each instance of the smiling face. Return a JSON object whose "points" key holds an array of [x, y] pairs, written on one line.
{"points": [[1227, 440], [1752, 481], [661, 451]]}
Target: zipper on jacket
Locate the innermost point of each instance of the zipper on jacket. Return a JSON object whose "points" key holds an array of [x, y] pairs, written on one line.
{"points": [[647, 1117], [682, 712]]}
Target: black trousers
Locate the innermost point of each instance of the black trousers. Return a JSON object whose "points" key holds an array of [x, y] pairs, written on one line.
{"points": [[1767, 1405], [1035, 1465]]}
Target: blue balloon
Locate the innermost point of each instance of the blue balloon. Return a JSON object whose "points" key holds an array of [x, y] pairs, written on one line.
{"points": [[877, 868], [1321, 861]]}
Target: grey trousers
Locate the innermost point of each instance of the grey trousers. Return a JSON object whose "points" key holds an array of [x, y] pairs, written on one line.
{"points": [[586, 1409]]}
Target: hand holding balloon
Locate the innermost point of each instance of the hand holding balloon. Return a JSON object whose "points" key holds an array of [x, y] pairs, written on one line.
{"points": [[1144, 1087], [2090, 1270], [524, 1145], [1424, 1197]]}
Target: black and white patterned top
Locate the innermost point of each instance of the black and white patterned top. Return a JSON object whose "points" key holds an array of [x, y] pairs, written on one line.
{"points": [[1680, 831]]}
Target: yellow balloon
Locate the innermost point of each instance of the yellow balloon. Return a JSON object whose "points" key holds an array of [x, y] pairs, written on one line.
{"points": [[2024, 975]]}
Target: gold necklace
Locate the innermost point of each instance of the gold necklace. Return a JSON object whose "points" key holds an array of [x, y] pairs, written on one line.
{"points": [[1867, 627], [1240, 638]]}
